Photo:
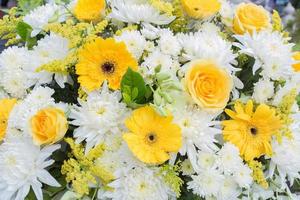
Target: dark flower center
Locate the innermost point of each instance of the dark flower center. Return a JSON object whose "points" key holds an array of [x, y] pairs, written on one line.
{"points": [[108, 67], [151, 138], [253, 131]]}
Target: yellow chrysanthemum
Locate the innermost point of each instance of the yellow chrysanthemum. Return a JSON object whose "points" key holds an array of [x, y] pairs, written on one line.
{"points": [[103, 59], [251, 131], [152, 136], [6, 105], [89, 10]]}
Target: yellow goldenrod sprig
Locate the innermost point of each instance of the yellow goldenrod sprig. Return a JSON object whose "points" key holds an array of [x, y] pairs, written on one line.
{"points": [[80, 169], [257, 173], [8, 27]]}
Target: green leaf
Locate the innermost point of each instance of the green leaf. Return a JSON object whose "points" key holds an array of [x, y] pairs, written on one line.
{"points": [[24, 31], [27, 5], [134, 86]]}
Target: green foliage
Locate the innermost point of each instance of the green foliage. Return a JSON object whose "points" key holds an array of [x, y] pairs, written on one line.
{"points": [[24, 31], [27, 5], [134, 90], [171, 177]]}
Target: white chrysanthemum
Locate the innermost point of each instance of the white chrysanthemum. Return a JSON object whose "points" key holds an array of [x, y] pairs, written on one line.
{"points": [[39, 98], [134, 41], [115, 159], [187, 168], [198, 131], [42, 15], [22, 165], [150, 32], [229, 190], [15, 71], [138, 183], [206, 183], [271, 52], [155, 59], [205, 161], [168, 43], [286, 159], [52, 47], [263, 90], [259, 192], [243, 176], [209, 45], [229, 160], [99, 117], [125, 11]]}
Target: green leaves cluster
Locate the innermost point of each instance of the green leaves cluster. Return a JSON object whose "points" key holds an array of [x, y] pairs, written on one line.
{"points": [[134, 90], [24, 31], [27, 5]]}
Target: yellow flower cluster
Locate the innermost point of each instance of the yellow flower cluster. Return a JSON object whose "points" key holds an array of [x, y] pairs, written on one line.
{"points": [[80, 169], [8, 25], [162, 6], [258, 174], [284, 111], [180, 23], [60, 66], [277, 24]]}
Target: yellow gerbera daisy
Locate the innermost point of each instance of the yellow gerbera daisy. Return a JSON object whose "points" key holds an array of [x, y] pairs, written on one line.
{"points": [[152, 136], [103, 59], [6, 105], [89, 10], [251, 131]]}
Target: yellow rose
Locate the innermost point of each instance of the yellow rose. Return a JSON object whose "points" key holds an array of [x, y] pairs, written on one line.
{"points": [[48, 126], [296, 57], [6, 106], [200, 9], [250, 17], [89, 10], [208, 85]]}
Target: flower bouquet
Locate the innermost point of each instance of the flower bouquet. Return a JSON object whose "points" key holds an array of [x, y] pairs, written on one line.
{"points": [[147, 99]]}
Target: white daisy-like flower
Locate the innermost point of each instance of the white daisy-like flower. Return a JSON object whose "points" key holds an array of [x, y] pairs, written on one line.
{"points": [[243, 176], [22, 166], [259, 192], [286, 159], [157, 58], [293, 84], [263, 90], [205, 161], [207, 44], [122, 157], [42, 15], [39, 98], [271, 53], [168, 43], [229, 160], [134, 41], [187, 168], [229, 190], [149, 31], [16, 77], [198, 131], [138, 183], [99, 117], [207, 183], [52, 47], [125, 11]]}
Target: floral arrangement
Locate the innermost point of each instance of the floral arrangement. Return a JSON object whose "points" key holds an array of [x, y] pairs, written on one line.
{"points": [[148, 99]]}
